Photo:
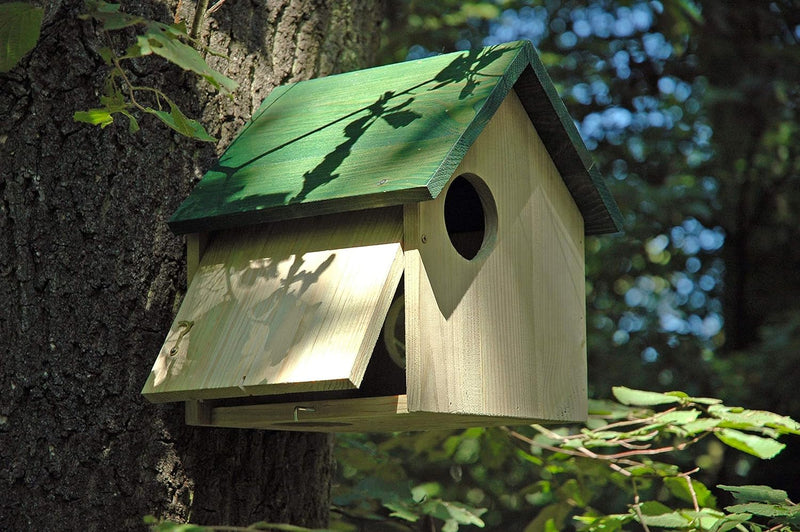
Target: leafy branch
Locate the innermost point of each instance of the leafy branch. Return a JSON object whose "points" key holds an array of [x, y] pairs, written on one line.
{"points": [[170, 42], [573, 471], [622, 459], [639, 430], [20, 25]]}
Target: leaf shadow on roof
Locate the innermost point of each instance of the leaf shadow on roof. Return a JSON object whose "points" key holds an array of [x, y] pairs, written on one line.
{"points": [[228, 197]]}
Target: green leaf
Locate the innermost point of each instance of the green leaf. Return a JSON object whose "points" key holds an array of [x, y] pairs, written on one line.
{"points": [[133, 125], [427, 490], [678, 417], [161, 40], [529, 457], [705, 400], [463, 514], [658, 515], [764, 509], [98, 117], [729, 522], [752, 493], [20, 24], [605, 523], [654, 508], [659, 468], [763, 448], [691, 10], [401, 511], [107, 54], [110, 16], [679, 487], [701, 425], [181, 123], [628, 396], [741, 418], [608, 409]]}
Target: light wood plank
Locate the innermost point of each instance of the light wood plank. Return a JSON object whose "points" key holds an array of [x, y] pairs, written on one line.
{"points": [[196, 244], [502, 334], [370, 414], [287, 307]]}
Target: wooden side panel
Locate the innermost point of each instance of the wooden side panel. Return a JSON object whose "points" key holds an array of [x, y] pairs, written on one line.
{"points": [[502, 334], [287, 307]]}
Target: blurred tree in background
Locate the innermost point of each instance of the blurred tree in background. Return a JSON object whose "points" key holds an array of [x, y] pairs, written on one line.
{"points": [[690, 109]]}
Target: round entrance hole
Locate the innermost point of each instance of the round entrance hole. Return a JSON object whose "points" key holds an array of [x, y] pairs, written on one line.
{"points": [[470, 216]]}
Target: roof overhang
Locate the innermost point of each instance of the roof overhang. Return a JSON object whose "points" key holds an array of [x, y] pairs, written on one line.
{"points": [[386, 136]]}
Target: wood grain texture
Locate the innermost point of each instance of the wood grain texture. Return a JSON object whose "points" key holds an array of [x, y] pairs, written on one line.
{"points": [[385, 136], [371, 414], [504, 333], [286, 307], [196, 244]]}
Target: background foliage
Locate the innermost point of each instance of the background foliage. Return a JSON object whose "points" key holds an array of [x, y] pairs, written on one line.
{"points": [[690, 109]]}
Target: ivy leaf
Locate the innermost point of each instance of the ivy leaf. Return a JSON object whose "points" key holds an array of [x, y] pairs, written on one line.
{"points": [[181, 123], [20, 24], [97, 117], [764, 448], [628, 396]]}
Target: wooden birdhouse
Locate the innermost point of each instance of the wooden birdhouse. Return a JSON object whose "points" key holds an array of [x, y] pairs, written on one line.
{"points": [[396, 248]]}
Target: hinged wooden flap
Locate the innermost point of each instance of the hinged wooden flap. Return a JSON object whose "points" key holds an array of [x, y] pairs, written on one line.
{"points": [[287, 307]]}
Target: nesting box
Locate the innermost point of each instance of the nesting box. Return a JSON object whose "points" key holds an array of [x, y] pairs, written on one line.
{"points": [[391, 249]]}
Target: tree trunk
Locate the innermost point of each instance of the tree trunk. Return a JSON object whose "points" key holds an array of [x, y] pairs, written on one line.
{"points": [[90, 277]]}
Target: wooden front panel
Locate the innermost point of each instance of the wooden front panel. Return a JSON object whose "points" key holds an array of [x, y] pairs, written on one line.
{"points": [[502, 334], [281, 308]]}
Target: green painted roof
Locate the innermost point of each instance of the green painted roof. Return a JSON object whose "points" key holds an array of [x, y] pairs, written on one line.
{"points": [[385, 136]]}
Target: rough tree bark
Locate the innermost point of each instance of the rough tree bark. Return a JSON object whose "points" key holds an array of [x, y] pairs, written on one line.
{"points": [[90, 277]]}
